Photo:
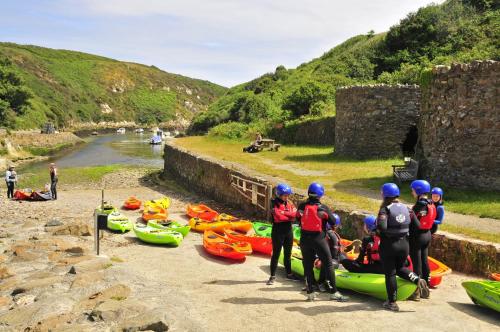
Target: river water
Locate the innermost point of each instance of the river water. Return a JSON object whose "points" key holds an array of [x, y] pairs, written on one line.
{"points": [[126, 149]]}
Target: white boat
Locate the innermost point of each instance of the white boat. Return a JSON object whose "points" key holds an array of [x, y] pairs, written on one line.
{"points": [[139, 131], [120, 131]]}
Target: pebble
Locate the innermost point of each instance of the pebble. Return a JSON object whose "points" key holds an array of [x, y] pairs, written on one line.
{"points": [[54, 222]]}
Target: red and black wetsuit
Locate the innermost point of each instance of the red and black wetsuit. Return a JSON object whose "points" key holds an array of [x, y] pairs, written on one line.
{"points": [[283, 214], [394, 223], [370, 248], [420, 237], [313, 217]]}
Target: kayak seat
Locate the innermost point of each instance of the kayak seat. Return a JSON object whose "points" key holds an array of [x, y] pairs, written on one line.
{"points": [[212, 236]]}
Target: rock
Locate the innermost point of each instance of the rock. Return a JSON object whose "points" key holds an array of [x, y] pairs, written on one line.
{"points": [[87, 279], [40, 283], [72, 260], [118, 291], [4, 234], [24, 253], [54, 222], [116, 310], [5, 273], [79, 229], [3, 258], [75, 250], [24, 299], [72, 270], [154, 320]]}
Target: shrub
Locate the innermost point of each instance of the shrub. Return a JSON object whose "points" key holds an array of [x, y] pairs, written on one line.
{"points": [[229, 130]]}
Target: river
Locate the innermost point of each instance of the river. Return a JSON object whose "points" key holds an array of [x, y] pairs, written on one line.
{"points": [[125, 149]]}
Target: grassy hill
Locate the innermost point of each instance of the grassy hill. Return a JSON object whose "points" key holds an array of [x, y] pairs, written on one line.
{"points": [[456, 31], [41, 84]]}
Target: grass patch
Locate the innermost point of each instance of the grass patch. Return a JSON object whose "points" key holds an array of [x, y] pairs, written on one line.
{"points": [[75, 175], [116, 259], [47, 151], [490, 237], [352, 182]]}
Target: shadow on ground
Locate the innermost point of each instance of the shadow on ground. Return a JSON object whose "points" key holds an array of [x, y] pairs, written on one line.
{"points": [[484, 314]]}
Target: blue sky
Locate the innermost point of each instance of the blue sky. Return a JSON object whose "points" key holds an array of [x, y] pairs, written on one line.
{"points": [[224, 41]]}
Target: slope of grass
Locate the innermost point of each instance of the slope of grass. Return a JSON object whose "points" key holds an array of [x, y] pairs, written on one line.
{"points": [[70, 86]]}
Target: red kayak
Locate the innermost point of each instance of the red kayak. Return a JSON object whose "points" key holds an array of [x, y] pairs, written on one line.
{"points": [[132, 203], [260, 244], [438, 270]]}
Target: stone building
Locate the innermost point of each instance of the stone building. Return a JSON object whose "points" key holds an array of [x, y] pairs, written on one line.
{"points": [[376, 121], [460, 125]]}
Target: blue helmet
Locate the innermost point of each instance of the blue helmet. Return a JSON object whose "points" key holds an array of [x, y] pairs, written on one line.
{"points": [[370, 222], [421, 187], [437, 191], [283, 189], [316, 190], [337, 219], [390, 190]]}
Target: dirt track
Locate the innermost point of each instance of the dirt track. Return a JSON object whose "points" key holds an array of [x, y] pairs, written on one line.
{"points": [[203, 293]]}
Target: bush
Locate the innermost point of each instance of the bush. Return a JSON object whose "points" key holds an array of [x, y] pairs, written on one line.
{"points": [[299, 102], [229, 130]]}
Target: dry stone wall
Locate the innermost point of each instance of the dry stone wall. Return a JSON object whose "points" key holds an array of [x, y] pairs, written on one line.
{"points": [[211, 178], [373, 121], [310, 132], [460, 125]]}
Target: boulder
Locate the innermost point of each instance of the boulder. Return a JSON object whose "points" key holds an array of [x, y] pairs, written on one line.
{"points": [[5, 273], [90, 264], [24, 299], [78, 229], [54, 222], [154, 320]]}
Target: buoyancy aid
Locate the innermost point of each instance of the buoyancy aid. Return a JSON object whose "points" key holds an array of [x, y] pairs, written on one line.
{"points": [[310, 220], [373, 249], [427, 219]]}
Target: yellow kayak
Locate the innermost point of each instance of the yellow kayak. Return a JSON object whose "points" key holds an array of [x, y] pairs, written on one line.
{"points": [[163, 203]]}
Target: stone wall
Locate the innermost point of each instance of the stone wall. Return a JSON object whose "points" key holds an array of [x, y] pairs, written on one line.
{"points": [[373, 121], [308, 132], [460, 125], [211, 178]]}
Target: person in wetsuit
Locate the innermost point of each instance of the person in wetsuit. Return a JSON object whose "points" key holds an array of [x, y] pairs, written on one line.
{"points": [[420, 237], [437, 197], [313, 217], [393, 223], [370, 249], [333, 241], [53, 180], [283, 214]]}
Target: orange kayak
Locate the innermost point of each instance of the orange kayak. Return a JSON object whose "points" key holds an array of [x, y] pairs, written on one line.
{"points": [[200, 225], [219, 245], [495, 276], [438, 270], [259, 243], [201, 211], [132, 203], [154, 213]]}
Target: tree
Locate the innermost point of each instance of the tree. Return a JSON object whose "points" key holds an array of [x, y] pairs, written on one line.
{"points": [[299, 102], [14, 96]]}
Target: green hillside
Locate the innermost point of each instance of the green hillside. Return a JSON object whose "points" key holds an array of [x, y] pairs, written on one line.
{"points": [[456, 31], [40, 84]]}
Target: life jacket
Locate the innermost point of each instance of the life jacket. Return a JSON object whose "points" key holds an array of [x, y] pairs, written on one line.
{"points": [[373, 249], [427, 221], [310, 220], [398, 220], [283, 209]]}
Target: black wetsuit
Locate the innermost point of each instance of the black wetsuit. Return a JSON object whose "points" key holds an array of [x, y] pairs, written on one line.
{"points": [[314, 243], [358, 266], [419, 242], [281, 234], [53, 183], [394, 222]]}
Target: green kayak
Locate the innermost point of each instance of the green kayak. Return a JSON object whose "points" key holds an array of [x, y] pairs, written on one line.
{"points": [[118, 222], [106, 209], [296, 232], [157, 236], [364, 283], [485, 293], [262, 228], [170, 225]]}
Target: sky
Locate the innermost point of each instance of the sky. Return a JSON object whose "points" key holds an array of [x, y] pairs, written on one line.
{"points": [[224, 41]]}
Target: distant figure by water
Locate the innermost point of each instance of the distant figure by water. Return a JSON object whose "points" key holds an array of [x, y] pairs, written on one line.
{"points": [[10, 180], [53, 180]]}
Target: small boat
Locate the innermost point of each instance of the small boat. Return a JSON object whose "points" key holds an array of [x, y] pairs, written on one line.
{"points": [[170, 225], [118, 222], [139, 131], [438, 270], [154, 213], [259, 243], [241, 225], [157, 236], [156, 140], [106, 208], [262, 228], [94, 133], [120, 131], [163, 202], [132, 203], [219, 245], [485, 293], [200, 225], [202, 211], [495, 276], [364, 283]]}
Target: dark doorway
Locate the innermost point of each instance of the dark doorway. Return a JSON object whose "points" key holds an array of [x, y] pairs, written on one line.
{"points": [[410, 142]]}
